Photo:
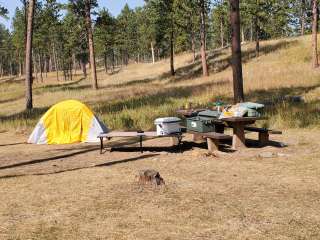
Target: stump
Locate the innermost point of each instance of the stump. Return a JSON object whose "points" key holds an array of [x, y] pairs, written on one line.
{"points": [[150, 177]]}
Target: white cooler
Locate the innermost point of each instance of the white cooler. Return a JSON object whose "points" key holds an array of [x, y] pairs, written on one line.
{"points": [[168, 125]]}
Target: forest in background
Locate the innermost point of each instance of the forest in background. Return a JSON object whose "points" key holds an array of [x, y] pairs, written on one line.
{"points": [[144, 34]]}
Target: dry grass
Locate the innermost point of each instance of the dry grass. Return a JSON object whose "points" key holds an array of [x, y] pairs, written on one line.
{"points": [[72, 192], [139, 93]]}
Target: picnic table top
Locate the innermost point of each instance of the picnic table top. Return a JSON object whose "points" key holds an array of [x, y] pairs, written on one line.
{"points": [[189, 112], [242, 119], [135, 134]]}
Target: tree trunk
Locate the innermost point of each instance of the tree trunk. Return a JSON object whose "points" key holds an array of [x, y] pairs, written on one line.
{"points": [[28, 61], [113, 60], [20, 65], [45, 66], [172, 53], [303, 16], [70, 70], [203, 39], [193, 46], [236, 51], [221, 32], [55, 61], [74, 64], [315, 61], [40, 66], [91, 45], [152, 52], [105, 62], [84, 69], [251, 30], [242, 35], [257, 30]]}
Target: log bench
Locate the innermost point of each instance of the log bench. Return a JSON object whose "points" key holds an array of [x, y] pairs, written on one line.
{"points": [[263, 133], [176, 138], [213, 139]]}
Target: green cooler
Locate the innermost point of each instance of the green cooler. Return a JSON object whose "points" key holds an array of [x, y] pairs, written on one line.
{"points": [[206, 121]]}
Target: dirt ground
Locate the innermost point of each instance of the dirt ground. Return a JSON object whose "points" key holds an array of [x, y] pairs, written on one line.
{"points": [[73, 192]]}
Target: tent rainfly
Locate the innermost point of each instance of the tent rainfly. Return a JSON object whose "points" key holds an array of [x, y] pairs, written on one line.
{"points": [[67, 122]]}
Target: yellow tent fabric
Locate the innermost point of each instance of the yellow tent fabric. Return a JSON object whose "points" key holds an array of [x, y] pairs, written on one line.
{"points": [[67, 122]]}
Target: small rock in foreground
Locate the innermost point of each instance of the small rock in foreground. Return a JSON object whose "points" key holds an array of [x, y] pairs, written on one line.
{"points": [[268, 155]]}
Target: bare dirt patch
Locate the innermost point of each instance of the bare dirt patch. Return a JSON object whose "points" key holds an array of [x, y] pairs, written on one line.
{"points": [[73, 192]]}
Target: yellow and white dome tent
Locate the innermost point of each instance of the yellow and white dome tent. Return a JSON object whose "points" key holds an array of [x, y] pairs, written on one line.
{"points": [[67, 122]]}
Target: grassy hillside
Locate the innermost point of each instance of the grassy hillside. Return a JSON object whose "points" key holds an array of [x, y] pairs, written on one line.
{"points": [[134, 96]]}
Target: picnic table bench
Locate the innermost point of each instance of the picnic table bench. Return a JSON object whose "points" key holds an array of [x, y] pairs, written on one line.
{"points": [[176, 137], [213, 139], [263, 133]]}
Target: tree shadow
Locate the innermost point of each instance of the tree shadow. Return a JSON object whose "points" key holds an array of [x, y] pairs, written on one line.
{"points": [[130, 83], [63, 86], [32, 114], [194, 70], [75, 151], [12, 80], [12, 144], [107, 164], [41, 160], [184, 146], [11, 99], [157, 99]]}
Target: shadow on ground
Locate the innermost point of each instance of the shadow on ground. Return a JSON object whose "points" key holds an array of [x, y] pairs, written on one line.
{"points": [[194, 70]]}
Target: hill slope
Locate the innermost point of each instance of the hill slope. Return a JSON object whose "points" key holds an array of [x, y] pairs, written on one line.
{"points": [[137, 94]]}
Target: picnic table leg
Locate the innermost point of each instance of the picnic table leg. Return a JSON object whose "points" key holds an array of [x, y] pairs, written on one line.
{"points": [[179, 140], [175, 141], [238, 140], [101, 145], [263, 138], [213, 145], [141, 149]]}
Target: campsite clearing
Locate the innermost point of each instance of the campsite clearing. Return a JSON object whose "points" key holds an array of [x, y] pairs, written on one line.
{"points": [[73, 192]]}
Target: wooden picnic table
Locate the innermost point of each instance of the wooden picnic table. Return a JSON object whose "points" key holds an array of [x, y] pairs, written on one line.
{"points": [[237, 123]]}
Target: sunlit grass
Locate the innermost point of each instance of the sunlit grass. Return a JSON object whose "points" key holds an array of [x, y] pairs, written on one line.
{"points": [[133, 97]]}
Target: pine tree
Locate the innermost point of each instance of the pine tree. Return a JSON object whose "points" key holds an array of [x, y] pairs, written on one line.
{"points": [[82, 8], [105, 28], [126, 34], [3, 12]]}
